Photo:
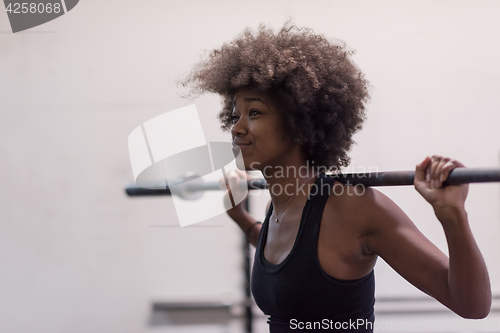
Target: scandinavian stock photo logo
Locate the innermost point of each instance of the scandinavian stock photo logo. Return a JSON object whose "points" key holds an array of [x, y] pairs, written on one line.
{"points": [[25, 15], [170, 151]]}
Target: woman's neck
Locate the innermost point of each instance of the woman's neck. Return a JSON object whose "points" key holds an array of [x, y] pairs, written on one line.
{"points": [[286, 182]]}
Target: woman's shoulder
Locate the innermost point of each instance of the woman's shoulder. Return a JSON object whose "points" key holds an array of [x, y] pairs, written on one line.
{"points": [[362, 206]]}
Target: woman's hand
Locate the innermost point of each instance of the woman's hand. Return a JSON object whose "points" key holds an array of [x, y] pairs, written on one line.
{"points": [[429, 178], [237, 180]]}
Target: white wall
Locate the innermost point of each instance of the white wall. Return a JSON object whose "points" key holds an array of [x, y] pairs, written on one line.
{"points": [[77, 255]]}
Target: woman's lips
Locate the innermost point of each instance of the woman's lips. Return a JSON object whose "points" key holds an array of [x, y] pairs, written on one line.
{"points": [[240, 143], [241, 146]]}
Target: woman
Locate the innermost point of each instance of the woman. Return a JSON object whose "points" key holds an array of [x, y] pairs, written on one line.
{"points": [[292, 101]]}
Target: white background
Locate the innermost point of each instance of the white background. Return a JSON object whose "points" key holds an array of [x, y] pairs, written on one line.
{"points": [[78, 255]]}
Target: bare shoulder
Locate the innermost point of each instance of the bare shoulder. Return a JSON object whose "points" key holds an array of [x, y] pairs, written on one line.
{"points": [[364, 206], [386, 231], [374, 218], [371, 209]]}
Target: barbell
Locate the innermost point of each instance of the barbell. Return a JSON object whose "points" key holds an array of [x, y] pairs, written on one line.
{"points": [[193, 190]]}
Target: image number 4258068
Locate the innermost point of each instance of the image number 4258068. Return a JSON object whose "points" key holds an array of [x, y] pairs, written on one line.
{"points": [[26, 15]]}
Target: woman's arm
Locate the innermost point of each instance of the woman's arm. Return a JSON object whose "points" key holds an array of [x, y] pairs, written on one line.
{"points": [[460, 282], [238, 213], [468, 278], [248, 225]]}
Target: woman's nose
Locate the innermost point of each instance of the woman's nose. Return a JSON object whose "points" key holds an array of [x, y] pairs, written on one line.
{"points": [[239, 128]]}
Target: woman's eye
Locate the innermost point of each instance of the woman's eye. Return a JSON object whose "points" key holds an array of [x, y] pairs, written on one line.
{"points": [[234, 118]]}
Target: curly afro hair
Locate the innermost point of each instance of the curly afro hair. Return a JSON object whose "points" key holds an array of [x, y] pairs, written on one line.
{"points": [[319, 91]]}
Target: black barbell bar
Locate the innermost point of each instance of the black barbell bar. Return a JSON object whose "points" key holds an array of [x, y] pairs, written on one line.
{"points": [[388, 178]]}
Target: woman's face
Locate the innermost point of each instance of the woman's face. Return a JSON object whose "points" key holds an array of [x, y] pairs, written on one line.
{"points": [[259, 132]]}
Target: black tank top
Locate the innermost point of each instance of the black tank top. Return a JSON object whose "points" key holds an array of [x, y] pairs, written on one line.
{"points": [[297, 293]]}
